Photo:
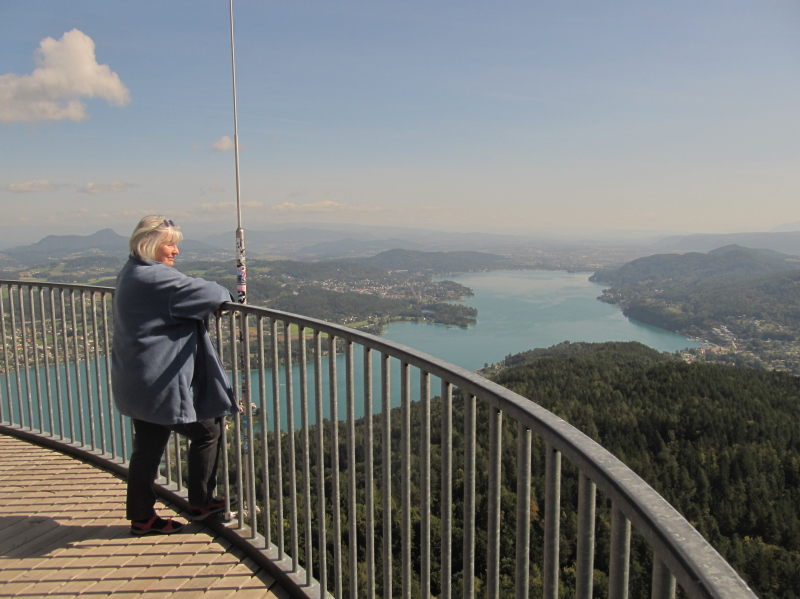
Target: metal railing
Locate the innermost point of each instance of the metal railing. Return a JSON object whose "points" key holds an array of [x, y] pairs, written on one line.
{"points": [[367, 469]]}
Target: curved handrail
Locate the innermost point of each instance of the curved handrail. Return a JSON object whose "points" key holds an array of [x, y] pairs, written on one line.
{"points": [[685, 555]]}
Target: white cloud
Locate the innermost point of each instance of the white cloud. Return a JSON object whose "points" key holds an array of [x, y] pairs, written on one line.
{"points": [[223, 144], [66, 73], [34, 186], [93, 187]]}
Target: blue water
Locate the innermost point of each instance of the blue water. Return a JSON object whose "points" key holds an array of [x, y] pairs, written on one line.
{"points": [[522, 310]]}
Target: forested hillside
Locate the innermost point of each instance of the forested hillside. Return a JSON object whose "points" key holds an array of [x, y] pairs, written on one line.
{"points": [[744, 301], [721, 443]]}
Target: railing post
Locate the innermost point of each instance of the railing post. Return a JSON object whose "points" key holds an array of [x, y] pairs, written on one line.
{"points": [[523, 533], [289, 380], [306, 447], [266, 516], [322, 547], [405, 461], [369, 481], [619, 568], [37, 376], [425, 486], [586, 517], [663, 585], [278, 433], [6, 374], [493, 492], [552, 521], [386, 463], [470, 442], [28, 394], [336, 501], [447, 490]]}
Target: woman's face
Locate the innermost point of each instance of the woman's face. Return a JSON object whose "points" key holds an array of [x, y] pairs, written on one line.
{"points": [[166, 253]]}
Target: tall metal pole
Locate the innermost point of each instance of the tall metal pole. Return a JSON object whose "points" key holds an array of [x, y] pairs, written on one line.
{"points": [[241, 268], [243, 422]]}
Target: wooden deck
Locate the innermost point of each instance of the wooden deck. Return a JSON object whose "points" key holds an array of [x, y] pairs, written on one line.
{"points": [[63, 534]]}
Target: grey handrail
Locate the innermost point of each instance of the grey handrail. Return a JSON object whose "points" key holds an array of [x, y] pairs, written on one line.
{"points": [[301, 359]]}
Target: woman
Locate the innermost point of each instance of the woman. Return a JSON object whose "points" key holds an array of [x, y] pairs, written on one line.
{"points": [[165, 373]]}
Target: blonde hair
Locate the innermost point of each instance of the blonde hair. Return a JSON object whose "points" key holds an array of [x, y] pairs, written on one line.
{"points": [[152, 232]]}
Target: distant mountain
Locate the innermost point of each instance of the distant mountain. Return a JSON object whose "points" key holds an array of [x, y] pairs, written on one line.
{"points": [[102, 243], [730, 263], [787, 242], [442, 262]]}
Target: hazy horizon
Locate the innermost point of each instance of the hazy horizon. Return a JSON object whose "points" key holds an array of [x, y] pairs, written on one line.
{"points": [[585, 120]]}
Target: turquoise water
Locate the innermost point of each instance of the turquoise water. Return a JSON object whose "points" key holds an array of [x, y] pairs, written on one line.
{"points": [[522, 310]]}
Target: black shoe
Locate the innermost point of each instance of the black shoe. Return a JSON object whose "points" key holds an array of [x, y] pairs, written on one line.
{"points": [[215, 506], [155, 525]]}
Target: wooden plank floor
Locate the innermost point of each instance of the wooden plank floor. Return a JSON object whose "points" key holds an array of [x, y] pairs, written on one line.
{"points": [[63, 534]]}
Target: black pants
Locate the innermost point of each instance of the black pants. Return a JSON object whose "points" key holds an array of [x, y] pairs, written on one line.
{"points": [[149, 442]]}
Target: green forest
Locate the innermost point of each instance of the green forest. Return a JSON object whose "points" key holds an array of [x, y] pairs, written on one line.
{"points": [[745, 301], [720, 443]]}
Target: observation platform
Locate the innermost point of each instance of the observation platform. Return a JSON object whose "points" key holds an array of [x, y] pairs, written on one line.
{"points": [[63, 533]]}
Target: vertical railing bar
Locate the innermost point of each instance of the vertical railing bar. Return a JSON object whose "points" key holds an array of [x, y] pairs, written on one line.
{"points": [[224, 454], [276, 412], [237, 418], [386, 482], [35, 350], [87, 369], [15, 353], [36, 346], [25, 361], [369, 482], [101, 421], [586, 516], [67, 375], [56, 370], [425, 485], [109, 393], [447, 490], [470, 443], [663, 583], [293, 537], [266, 520], [305, 442], [552, 521], [352, 543], [523, 533], [48, 386], [250, 471], [336, 503], [619, 566], [4, 290], [494, 490], [405, 468], [322, 551], [77, 366]]}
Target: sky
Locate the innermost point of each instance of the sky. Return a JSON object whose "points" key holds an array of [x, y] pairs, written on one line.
{"points": [[528, 117]]}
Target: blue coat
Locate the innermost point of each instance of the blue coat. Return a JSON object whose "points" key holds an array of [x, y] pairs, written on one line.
{"points": [[163, 366]]}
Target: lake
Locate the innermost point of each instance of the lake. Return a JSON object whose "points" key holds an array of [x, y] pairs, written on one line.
{"points": [[525, 309]]}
